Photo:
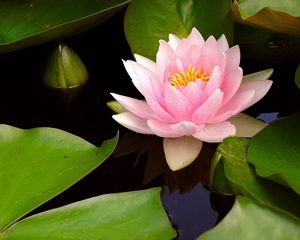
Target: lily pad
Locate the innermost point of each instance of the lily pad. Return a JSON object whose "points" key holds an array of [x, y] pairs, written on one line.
{"points": [[248, 220], [131, 215], [275, 151], [278, 16], [232, 174], [38, 164], [146, 22], [28, 22]]}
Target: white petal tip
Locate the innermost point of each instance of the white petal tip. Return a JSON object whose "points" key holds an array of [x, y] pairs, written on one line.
{"points": [[181, 152]]}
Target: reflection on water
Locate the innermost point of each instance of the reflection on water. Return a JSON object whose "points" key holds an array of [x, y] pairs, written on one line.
{"points": [[190, 212], [268, 117]]}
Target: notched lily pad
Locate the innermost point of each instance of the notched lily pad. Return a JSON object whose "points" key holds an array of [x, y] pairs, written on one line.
{"points": [[249, 220], [38, 164], [275, 151]]}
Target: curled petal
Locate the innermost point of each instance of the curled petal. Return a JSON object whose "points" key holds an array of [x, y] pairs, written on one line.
{"points": [[246, 126], [215, 132], [132, 122], [146, 62], [181, 152]]}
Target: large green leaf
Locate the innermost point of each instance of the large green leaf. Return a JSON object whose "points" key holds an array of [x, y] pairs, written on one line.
{"points": [[248, 221], [275, 151], [29, 22], [279, 16], [233, 175], [132, 215], [37, 164], [146, 22]]}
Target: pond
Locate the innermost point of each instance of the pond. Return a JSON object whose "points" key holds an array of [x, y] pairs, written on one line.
{"points": [[193, 208]]}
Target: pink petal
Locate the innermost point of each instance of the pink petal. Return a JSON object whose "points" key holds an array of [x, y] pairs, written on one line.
{"points": [[132, 122], [233, 58], [222, 44], [208, 109], [173, 41], [186, 128], [163, 129], [146, 62], [176, 130], [140, 77], [211, 54], [195, 38], [161, 113], [164, 57], [181, 152], [237, 104], [194, 93], [261, 87], [192, 57], [138, 107], [142, 80], [215, 132], [231, 84], [215, 81], [177, 104]]}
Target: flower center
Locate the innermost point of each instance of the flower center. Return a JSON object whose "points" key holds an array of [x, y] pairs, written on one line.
{"points": [[184, 78]]}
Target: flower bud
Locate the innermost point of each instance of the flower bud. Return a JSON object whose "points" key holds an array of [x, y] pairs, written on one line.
{"points": [[64, 69]]}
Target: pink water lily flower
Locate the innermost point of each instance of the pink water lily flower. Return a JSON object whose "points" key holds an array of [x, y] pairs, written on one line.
{"points": [[193, 93]]}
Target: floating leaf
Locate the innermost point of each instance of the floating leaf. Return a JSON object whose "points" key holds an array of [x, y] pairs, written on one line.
{"points": [[28, 22], [231, 174], [38, 164], [146, 22], [249, 220], [276, 151], [279, 16], [131, 215]]}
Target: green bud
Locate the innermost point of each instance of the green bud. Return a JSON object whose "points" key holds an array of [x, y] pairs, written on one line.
{"points": [[116, 107], [64, 69]]}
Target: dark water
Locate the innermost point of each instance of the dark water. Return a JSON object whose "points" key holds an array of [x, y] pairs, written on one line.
{"points": [[25, 103]]}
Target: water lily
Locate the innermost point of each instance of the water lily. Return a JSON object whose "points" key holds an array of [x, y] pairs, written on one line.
{"points": [[193, 93]]}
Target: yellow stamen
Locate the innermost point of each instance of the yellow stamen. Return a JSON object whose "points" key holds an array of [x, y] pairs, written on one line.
{"points": [[184, 78]]}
